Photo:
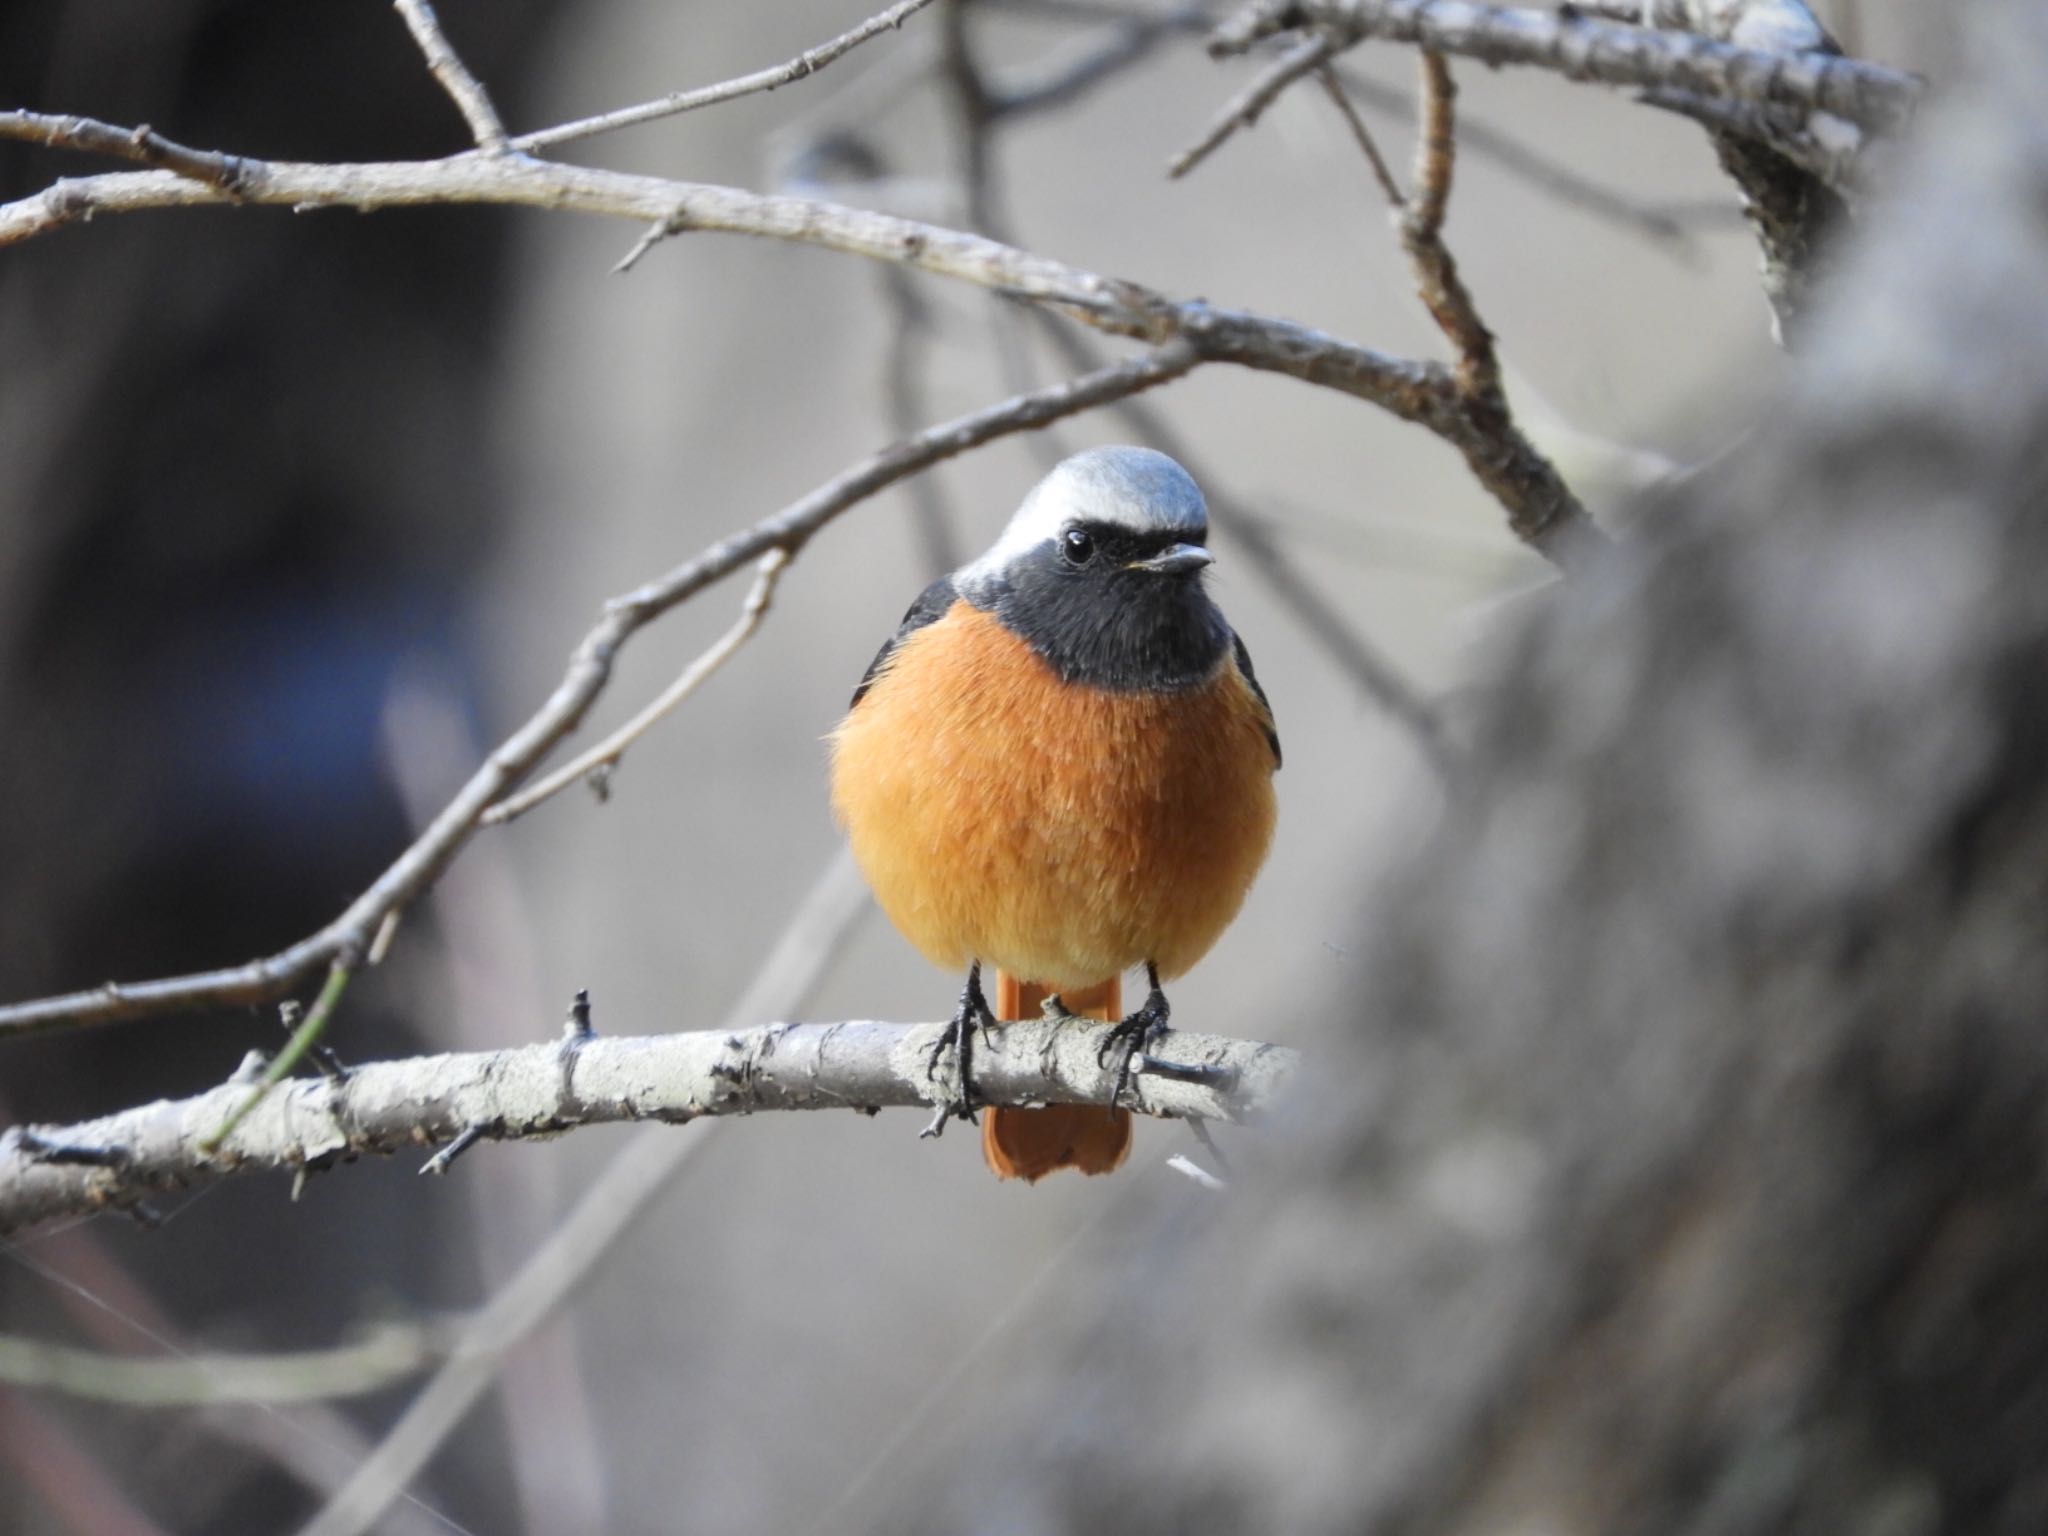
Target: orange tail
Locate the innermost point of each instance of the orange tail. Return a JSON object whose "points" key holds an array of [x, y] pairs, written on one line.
{"points": [[1028, 1144]]}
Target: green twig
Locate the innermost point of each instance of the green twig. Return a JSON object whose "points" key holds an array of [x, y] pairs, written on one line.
{"points": [[387, 1355], [303, 1039]]}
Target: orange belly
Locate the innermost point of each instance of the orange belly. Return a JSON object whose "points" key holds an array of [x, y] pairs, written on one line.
{"points": [[1062, 833]]}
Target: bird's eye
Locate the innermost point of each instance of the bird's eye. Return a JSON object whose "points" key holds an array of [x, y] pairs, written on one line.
{"points": [[1078, 546]]}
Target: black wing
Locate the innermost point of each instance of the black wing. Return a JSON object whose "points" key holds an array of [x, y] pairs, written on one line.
{"points": [[1244, 665], [932, 604]]}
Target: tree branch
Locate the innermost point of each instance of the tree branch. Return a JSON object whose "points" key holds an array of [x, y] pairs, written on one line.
{"points": [[1571, 43], [446, 66], [805, 64], [1245, 109], [1541, 509], [539, 1090], [597, 763], [143, 145]]}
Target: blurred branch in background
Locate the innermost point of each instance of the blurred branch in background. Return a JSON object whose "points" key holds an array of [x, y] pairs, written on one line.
{"points": [[313, 1442], [387, 1354]]}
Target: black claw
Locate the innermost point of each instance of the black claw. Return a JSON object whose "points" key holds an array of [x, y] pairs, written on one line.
{"points": [[1134, 1034], [973, 1012]]}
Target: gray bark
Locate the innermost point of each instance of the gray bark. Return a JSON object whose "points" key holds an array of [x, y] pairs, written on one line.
{"points": [[385, 1107], [1679, 1161]]}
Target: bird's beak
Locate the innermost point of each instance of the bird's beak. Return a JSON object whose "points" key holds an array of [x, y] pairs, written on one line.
{"points": [[1175, 560]]}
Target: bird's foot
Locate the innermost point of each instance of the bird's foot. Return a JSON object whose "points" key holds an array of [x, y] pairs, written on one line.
{"points": [[1134, 1035], [958, 1036]]}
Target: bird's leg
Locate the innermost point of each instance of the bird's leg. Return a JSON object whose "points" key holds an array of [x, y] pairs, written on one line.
{"points": [[1135, 1033], [972, 1012]]}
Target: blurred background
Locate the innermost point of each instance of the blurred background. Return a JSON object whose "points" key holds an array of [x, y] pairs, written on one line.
{"points": [[299, 514]]}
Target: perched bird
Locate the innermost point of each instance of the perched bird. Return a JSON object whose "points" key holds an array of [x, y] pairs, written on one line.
{"points": [[1061, 766]]}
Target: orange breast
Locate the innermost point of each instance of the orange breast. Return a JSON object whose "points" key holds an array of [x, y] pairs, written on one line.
{"points": [[1062, 833]]}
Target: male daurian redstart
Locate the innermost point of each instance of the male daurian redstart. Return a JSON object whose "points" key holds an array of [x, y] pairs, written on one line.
{"points": [[1062, 766]]}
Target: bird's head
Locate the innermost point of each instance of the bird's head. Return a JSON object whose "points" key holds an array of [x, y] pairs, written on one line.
{"points": [[1101, 514], [1101, 570]]}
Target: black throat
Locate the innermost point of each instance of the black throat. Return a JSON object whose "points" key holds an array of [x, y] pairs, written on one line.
{"points": [[1128, 631]]}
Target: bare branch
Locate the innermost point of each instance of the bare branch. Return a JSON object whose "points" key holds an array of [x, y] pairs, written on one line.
{"points": [[805, 64], [589, 671], [143, 145], [1541, 508], [1443, 290], [607, 753], [1668, 224], [1361, 135], [1574, 44], [463, 88], [540, 1090], [1245, 108], [1436, 151], [1119, 307]]}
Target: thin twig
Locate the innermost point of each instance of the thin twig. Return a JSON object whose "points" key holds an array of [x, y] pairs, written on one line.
{"points": [[607, 753], [1496, 448], [805, 64], [143, 145], [304, 1039], [1669, 225], [446, 66], [1182, 1164], [1244, 109], [903, 391], [1443, 290], [1362, 136], [465, 1139]]}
